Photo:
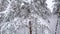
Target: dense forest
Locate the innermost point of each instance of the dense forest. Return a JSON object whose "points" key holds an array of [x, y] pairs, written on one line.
{"points": [[29, 16]]}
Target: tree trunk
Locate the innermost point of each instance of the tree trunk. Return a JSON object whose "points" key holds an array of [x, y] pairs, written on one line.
{"points": [[56, 27], [30, 27]]}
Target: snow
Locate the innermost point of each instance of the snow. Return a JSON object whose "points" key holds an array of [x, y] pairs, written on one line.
{"points": [[46, 32], [28, 1], [43, 22], [53, 21], [22, 4], [7, 9]]}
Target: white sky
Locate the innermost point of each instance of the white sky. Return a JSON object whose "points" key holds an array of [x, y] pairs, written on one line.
{"points": [[50, 4]]}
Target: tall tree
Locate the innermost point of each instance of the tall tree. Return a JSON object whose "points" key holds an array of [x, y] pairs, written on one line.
{"points": [[57, 12]]}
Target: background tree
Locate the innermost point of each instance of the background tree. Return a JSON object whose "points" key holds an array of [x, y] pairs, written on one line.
{"points": [[57, 12]]}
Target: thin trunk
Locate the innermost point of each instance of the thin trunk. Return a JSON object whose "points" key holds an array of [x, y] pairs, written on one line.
{"points": [[36, 25], [36, 31], [30, 27], [56, 27], [42, 29]]}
